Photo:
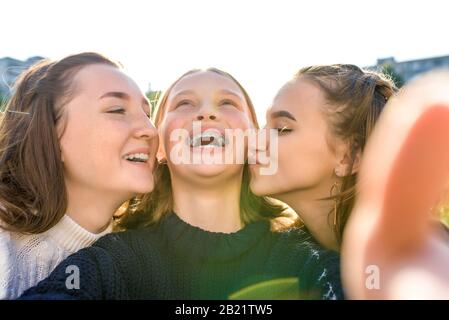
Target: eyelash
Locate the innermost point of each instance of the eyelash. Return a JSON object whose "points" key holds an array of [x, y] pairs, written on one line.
{"points": [[227, 101], [183, 102], [122, 111], [117, 111], [223, 102], [283, 130]]}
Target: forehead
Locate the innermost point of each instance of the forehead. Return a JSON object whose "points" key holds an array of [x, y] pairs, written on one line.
{"points": [[101, 78], [298, 97], [206, 82]]}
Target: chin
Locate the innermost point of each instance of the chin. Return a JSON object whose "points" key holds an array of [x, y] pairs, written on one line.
{"points": [[257, 192], [265, 187], [209, 170], [214, 170], [258, 186]]}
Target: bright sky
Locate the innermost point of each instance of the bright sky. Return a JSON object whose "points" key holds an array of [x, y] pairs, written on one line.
{"points": [[262, 43]]}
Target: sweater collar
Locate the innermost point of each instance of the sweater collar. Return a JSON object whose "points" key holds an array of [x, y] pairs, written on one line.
{"points": [[72, 237], [195, 243]]}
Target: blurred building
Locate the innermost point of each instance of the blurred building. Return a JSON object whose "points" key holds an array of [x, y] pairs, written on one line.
{"points": [[409, 69], [10, 69]]}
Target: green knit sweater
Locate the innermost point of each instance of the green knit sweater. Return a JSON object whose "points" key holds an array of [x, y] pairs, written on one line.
{"points": [[174, 260]]}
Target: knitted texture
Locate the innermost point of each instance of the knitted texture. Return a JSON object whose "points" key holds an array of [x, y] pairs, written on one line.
{"points": [[174, 260], [27, 259]]}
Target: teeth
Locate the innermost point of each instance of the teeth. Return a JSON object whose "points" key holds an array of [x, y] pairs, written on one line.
{"points": [[207, 139], [142, 157]]}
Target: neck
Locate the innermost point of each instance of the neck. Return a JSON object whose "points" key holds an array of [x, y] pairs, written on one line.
{"points": [[317, 215], [92, 210], [212, 207]]}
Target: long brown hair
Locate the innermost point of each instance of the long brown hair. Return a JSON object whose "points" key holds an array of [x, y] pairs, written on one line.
{"points": [[33, 196], [355, 99], [152, 207]]}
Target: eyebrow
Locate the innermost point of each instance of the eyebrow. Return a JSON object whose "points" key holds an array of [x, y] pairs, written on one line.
{"points": [[116, 94], [223, 91], [230, 92], [282, 114], [183, 92]]}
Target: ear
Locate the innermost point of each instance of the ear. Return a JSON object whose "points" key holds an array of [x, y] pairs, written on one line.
{"points": [[60, 137], [356, 161], [347, 163], [60, 149]]}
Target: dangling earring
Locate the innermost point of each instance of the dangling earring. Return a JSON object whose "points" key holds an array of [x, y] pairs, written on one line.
{"points": [[335, 187], [162, 161]]}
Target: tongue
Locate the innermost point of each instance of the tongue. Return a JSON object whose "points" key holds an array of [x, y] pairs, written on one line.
{"points": [[206, 141]]}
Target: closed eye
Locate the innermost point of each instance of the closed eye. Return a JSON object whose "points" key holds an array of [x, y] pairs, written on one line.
{"points": [[283, 130], [228, 102], [184, 103], [117, 111]]}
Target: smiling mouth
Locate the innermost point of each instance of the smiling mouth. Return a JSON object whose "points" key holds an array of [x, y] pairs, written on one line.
{"points": [[137, 157], [208, 140]]}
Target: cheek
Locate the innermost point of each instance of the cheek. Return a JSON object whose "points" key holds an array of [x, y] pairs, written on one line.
{"points": [[167, 127], [109, 142], [290, 156], [305, 156], [237, 119], [75, 139], [96, 143], [240, 121]]}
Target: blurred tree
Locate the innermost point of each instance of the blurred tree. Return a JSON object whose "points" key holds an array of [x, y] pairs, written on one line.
{"points": [[3, 101], [153, 97], [389, 70]]}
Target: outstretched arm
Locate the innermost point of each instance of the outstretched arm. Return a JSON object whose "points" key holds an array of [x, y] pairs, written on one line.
{"points": [[391, 247]]}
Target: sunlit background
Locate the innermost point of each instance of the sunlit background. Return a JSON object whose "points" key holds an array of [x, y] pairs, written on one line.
{"points": [[262, 43]]}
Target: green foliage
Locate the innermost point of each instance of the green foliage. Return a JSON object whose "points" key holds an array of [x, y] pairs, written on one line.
{"points": [[389, 70], [3, 102], [153, 97]]}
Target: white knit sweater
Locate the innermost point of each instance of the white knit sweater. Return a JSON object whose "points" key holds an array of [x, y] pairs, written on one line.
{"points": [[27, 259]]}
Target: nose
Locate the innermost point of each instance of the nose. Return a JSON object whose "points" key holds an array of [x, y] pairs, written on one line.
{"points": [[207, 112], [145, 130], [269, 134], [263, 139], [258, 145]]}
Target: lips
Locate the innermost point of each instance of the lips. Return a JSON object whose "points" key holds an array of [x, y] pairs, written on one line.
{"points": [[209, 137], [138, 155]]}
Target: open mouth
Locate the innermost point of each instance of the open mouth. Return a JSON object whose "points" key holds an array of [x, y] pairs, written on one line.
{"points": [[207, 139], [137, 157]]}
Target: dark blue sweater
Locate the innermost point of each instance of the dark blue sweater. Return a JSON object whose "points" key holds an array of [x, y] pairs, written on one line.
{"points": [[174, 260]]}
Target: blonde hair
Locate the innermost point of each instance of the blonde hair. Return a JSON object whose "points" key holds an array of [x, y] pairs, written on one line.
{"points": [[152, 207]]}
